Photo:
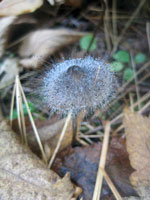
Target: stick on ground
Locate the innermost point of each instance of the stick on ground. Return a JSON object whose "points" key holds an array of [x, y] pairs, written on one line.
{"points": [[99, 179]]}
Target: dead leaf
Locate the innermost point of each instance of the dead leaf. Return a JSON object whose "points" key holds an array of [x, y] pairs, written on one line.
{"points": [[42, 43], [50, 133], [13, 29], [49, 136], [18, 7], [82, 163], [137, 130], [144, 194], [5, 22], [8, 70], [23, 176]]}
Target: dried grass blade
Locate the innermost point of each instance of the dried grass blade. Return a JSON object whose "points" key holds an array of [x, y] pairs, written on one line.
{"points": [[121, 89], [114, 21], [127, 25], [23, 121], [107, 27], [18, 97], [82, 142], [148, 33], [99, 179], [144, 107], [111, 185], [136, 80], [60, 140], [12, 104], [33, 126], [144, 98]]}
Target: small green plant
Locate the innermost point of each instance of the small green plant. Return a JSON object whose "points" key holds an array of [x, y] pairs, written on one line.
{"points": [[116, 66], [31, 106], [128, 73], [122, 61], [85, 42], [122, 56], [140, 58]]}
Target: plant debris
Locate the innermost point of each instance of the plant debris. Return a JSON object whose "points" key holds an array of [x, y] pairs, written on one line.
{"points": [[41, 43], [82, 163], [24, 176], [137, 130], [38, 37], [17, 7]]}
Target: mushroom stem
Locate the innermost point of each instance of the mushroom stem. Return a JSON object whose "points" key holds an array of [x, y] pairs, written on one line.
{"points": [[74, 129]]}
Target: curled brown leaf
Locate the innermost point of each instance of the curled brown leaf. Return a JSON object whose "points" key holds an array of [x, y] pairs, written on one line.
{"points": [[137, 129], [41, 43], [18, 7], [24, 176]]}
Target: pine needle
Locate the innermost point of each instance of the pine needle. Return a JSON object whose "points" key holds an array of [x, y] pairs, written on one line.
{"points": [[148, 33], [33, 125], [18, 97], [127, 25], [111, 185], [99, 179], [60, 140], [12, 104]]}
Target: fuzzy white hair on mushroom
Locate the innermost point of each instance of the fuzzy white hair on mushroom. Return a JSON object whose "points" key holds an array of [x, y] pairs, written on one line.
{"points": [[78, 84]]}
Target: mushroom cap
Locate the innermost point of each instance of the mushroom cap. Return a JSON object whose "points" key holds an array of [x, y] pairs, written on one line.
{"points": [[78, 84]]}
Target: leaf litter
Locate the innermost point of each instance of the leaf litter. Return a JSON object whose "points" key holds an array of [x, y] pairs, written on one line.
{"points": [[5, 22], [17, 7], [8, 71], [137, 130], [117, 164], [42, 43], [82, 163], [24, 176]]}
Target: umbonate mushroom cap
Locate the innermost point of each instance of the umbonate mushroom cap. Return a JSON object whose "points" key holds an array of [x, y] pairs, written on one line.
{"points": [[78, 84]]}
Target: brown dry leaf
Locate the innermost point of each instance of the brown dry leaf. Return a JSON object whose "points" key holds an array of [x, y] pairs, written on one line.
{"points": [[9, 29], [23, 176], [82, 163], [5, 22], [8, 70], [49, 135], [143, 192], [42, 43], [18, 7], [137, 130]]}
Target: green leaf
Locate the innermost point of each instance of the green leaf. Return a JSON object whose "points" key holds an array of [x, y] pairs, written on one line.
{"points": [[116, 66], [122, 56], [140, 58], [85, 42], [31, 107], [128, 73]]}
